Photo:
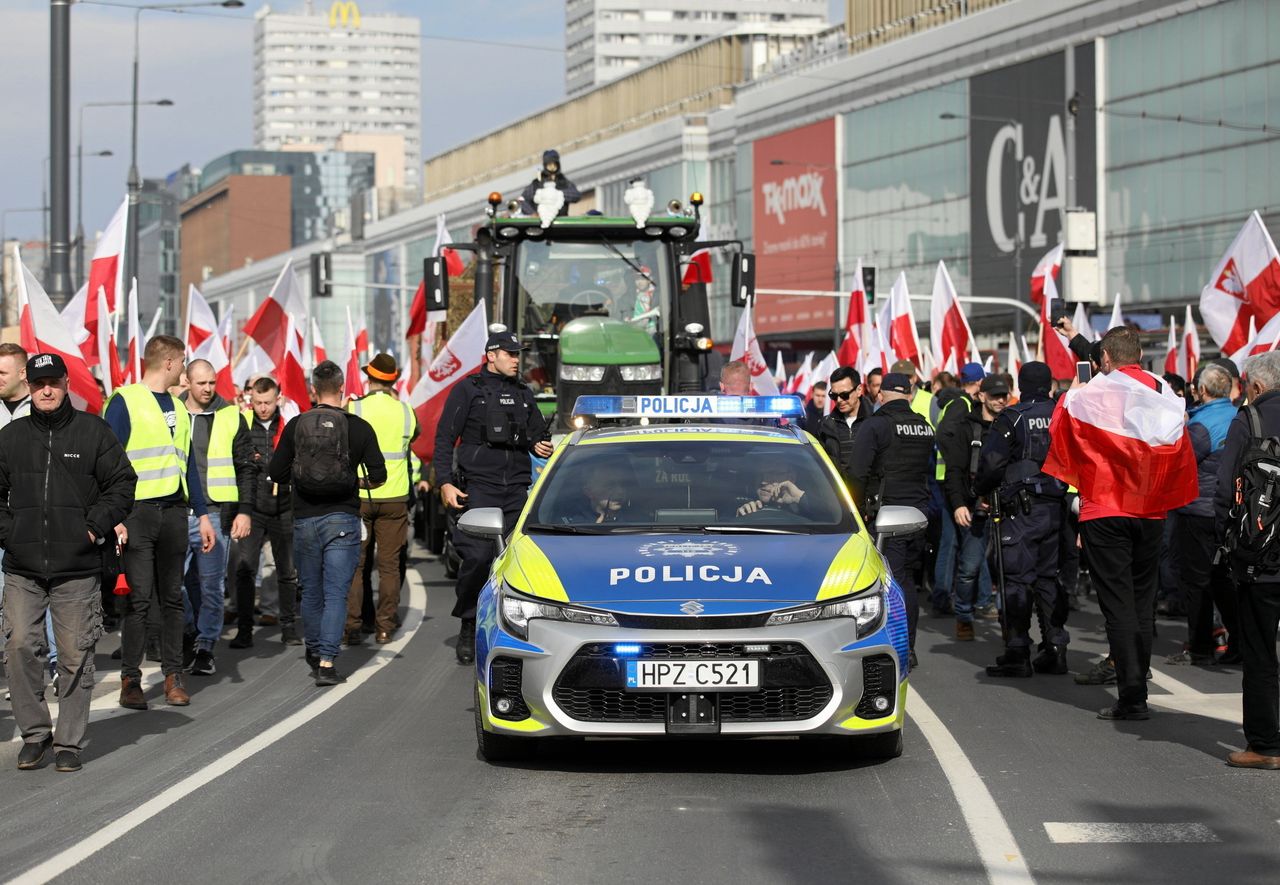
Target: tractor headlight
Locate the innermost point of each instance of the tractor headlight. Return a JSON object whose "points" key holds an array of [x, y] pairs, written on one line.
{"points": [[648, 372], [594, 374]]}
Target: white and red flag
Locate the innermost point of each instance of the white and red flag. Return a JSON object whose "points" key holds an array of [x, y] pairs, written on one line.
{"points": [[226, 329], [1053, 344], [452, 260], [859, 332], [352, 375], [290, 373], [1189, 348], [201, 323], [1017, 356], [268, 324], [1260, 341], [949, 335], [75, 314], [1123, 443], [106, 271], [746, 348], [1082, 324], [133, 365], [1044, 273], [822, 372], [42, 331], [457, 358], [780, 373], [698, 268], [1171, 349], [1117, 318], [1246, 283], [318, 351], [903, 340], [213, 348], [108, 353], [802, 380]]}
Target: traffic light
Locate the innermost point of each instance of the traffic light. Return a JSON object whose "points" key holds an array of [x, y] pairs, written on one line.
{"points": [[321, 274], [743, 279], [869, 282]]}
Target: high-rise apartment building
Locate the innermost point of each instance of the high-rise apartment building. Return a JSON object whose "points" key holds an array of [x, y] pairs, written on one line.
{"points": [[330, 70], [605, 39]]}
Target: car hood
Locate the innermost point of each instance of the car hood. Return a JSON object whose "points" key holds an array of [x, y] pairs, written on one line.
{"points": [[658, 574]]}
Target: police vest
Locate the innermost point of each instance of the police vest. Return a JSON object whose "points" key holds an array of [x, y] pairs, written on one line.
{"points": [[901, 472], [394, 423], [158, 455], [1031, 428], [220, 471]]}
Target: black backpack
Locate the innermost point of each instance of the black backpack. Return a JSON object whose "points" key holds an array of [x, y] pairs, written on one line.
{"points": [[322, 455], [1253, 525]]}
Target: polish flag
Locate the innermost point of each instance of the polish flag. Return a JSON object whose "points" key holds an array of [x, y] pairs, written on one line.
{"points": [[75, 314], [949, 333], [252, 363], [317, 344], [419, 316], [1171, 349], [1053, 344], [903, 340], [1124, 444], [884, 325], [1189, 351], [1117, 319], [1260, 341], [698, 270], [1246, 283], [1045, 271], [457, 358], [267, 325], [226, 329], [746, 347], [452, 260], [42, 331], [289, 371], [133, 366], [822, 372], [108, 353], [858, 331], [353, 377], [802, 381], [780, 373], [1082, 324], [106, 271], [201, 323]]}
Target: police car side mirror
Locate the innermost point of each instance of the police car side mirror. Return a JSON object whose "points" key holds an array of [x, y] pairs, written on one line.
{"points": [[894, 521], [483, 522]]}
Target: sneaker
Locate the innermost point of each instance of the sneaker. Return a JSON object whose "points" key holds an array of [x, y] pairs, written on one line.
{"points": [[1103, 673], [203, 664], [67, 760], [243, 638], [988, 613], [1185, 657], [313, 661], [964, 631], [289, 635], [1121, 712], [326, 676], [32, 754]]}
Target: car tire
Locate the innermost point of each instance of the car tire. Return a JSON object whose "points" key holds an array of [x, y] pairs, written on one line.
{"points": [[500, 747]]}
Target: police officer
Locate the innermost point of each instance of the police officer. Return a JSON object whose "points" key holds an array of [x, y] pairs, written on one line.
{"points": [[891, 463], [838, 430], [1028, 504], [385, 510], [494, 420]]}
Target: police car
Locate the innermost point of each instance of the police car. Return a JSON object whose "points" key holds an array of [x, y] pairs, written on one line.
{"points": [[707, 575]]}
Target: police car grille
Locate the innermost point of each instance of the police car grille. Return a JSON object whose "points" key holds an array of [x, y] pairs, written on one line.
{"points": [[877, 680], [783, 704], [610, 704], [696, 650], [505, 680]]}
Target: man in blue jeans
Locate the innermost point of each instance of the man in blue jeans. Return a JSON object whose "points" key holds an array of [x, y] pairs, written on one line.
{"points": [[329, 456]]}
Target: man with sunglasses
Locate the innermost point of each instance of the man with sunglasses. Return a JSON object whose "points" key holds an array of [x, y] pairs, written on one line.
{"points": [[1010, 474], [838, 430]]}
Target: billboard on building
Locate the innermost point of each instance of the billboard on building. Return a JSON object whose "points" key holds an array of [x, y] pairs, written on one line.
{"points": [[794, 217], [1019, 165]]}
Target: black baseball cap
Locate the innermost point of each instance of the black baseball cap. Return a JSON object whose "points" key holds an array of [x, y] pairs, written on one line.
{"points": [[993, 385], [46, 365], [896, 382], [504, 341]]}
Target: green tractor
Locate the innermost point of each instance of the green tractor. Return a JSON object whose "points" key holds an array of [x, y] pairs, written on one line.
{"points": [[598, 300]]}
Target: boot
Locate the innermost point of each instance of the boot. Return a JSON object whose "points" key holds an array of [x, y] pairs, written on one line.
{"points": [[131, 693], [964, 631], [1052, 659], [174, 694], [1014, 663], [467, 641]]}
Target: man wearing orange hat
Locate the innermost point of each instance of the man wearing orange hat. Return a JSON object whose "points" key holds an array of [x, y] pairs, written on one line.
{"points": [[384, 510]]}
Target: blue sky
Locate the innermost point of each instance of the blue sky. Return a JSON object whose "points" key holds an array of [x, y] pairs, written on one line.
{"points": [[204, 65]]}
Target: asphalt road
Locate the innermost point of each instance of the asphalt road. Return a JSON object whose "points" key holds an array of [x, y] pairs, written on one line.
{"points": [[265, 778]]}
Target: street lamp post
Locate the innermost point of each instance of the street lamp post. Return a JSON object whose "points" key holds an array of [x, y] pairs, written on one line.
{"points": [[135, 181], [163, 103]]}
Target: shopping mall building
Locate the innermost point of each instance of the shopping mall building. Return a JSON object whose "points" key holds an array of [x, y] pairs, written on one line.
{"points": [[952, 131]]}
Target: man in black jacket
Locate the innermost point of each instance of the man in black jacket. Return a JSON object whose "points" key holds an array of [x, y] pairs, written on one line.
{"points": [[838, 430], [552, 172], [65, 483]]}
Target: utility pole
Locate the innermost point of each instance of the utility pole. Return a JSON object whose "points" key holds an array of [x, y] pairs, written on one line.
{"points": [[59, 246]]}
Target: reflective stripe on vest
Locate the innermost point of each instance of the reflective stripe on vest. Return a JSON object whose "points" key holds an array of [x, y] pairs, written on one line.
{"points": [[158, 456], [220, 473], [393, 422]]}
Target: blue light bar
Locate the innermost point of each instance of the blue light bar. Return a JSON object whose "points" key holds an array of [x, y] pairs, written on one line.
{"points": [[626, 648], [704, 406]]}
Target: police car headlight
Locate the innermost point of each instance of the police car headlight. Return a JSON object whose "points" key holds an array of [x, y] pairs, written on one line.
{"points": [[650, 372], [866, 608], [518, 610], [594, 374]]}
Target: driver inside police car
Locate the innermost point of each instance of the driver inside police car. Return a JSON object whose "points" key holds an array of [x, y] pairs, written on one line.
{"points": [[605, 495], [776, 489]]}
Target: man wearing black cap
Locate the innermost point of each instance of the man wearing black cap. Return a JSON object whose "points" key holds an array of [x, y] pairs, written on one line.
{"points": [[959, 442], [494, 420], [51, 466], [891, 463], [1028, 504]]}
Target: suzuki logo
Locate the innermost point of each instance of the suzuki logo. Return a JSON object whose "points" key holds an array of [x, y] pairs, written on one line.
{"points": [[692, 607]]}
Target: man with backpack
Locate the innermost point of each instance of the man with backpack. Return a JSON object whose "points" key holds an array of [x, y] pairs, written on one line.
{"points": [[328, 456], [1249, 475]]}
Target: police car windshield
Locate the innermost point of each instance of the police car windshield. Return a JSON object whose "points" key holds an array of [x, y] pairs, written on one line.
{"points": [[562, 281], [696, 485]]}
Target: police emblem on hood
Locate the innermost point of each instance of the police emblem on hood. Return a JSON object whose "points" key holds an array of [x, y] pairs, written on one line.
{"points": [[688, 549]]}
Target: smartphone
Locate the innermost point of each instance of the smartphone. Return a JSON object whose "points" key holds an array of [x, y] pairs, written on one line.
{"points": [[1084, 371]]}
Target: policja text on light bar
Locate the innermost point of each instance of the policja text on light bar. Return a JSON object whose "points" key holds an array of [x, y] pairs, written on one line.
{"points": [[689, 406]]}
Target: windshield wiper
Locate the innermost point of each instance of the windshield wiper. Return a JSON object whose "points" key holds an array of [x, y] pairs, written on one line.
{"points": [[553, 529], [752, 530], [631, 264]]}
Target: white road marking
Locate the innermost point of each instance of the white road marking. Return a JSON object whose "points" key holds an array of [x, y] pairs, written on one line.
{"points": [[1224, 706], [1128, 832], [123, 825], [991, 835], [106, 705]]}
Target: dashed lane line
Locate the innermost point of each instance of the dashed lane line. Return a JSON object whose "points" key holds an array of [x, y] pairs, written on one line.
{"points": [[1147, 833], [999, 852], [121, 826]]}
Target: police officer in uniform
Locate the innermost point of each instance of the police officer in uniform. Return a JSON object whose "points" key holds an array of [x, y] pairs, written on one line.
{"points": [[891, 463], [494, 420], [1030, 507]]}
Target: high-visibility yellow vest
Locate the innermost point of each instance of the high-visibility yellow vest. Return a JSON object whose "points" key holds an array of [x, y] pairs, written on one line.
{"points": [[968, 406], [158, 455], [394, 423], [922, 405], [220, 472]]}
